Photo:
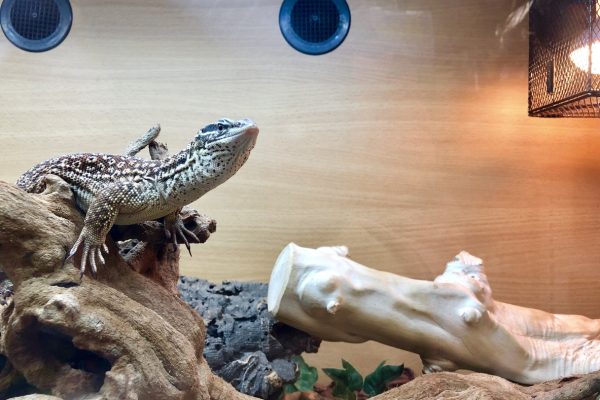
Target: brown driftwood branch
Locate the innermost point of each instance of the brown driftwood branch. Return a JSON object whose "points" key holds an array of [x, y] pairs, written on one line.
{"points": [[450, 385], [146, 250], [121, 335]]}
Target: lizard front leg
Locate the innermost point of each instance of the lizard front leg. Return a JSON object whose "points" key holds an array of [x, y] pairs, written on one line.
{"points": [[99, 218], [175, 228]]}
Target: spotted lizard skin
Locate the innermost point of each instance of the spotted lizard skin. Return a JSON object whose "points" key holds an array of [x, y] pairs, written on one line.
{"points": [[123, 189]]}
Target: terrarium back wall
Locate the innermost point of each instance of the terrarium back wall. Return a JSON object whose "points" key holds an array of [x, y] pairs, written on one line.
{"points": [[408, 143]]}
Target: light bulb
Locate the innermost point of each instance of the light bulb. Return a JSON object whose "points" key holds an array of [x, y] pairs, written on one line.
{"points": [[581, 57]]}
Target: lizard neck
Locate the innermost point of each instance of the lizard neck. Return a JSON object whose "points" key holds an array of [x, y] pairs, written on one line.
{"points": [[189, 174]]}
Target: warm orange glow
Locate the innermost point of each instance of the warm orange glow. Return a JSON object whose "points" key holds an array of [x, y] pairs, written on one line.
{"points": [[581, 56]]}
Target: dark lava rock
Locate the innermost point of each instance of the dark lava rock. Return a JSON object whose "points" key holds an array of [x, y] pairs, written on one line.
{"points": [[244, 344]]}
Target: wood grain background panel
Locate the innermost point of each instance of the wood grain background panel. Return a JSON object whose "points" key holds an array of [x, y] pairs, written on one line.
{"points": [[408, 143]]}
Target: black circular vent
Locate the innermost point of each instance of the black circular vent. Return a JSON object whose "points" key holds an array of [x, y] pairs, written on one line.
{"points": [[314, 26], [36, 25]]}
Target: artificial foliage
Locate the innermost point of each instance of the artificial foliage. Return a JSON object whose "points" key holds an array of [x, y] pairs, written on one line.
{"points": [[348, 383]]}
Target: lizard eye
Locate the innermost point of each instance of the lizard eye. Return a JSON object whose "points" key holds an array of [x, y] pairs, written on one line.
{"points": [[220, 126]]}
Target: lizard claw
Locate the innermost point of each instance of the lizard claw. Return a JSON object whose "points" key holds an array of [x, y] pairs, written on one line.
{"points": [[73, 251], [175, 228], [91, 254]]}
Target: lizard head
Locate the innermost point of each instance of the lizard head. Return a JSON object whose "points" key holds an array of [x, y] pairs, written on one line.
{"points": [[226, 144]]}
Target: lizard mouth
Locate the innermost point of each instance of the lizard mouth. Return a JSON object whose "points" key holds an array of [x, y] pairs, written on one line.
{"points": [[247, 129]]}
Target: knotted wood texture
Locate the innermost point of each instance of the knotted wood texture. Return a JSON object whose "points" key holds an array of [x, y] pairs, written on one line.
{"points": [[452, 322], [122, 335]]}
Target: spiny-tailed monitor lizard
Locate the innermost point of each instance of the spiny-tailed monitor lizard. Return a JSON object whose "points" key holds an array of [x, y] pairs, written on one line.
{"points": [[123, 190]]}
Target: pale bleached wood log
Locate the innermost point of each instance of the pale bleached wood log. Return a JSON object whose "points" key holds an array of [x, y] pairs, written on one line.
{"points": [[452, 322]]}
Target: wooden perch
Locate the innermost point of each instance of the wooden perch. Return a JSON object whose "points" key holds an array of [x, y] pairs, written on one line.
{"points": [[452, 322], [146, 250], [454, 386], [120, 336]]}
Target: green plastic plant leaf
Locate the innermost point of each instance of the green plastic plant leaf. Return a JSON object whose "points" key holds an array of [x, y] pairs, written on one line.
{"points": [[376, 381], [347, 381], [307, 376], [355, 379], [341, 391], [288, 388]]}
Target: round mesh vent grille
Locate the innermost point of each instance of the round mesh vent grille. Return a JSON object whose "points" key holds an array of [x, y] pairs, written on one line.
{"points": [[314, 26], [315, 20], [36, 25], [35, 20]]}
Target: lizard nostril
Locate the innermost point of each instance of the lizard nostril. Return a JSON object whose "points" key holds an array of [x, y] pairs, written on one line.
{"points": [[252, 130]]}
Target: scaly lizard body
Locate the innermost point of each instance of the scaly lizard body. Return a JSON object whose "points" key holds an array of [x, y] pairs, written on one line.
{"points": [[124, 190]]}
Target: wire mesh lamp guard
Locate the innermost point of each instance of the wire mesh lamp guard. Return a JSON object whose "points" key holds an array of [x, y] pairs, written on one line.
{"points": [[564, 58]]}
